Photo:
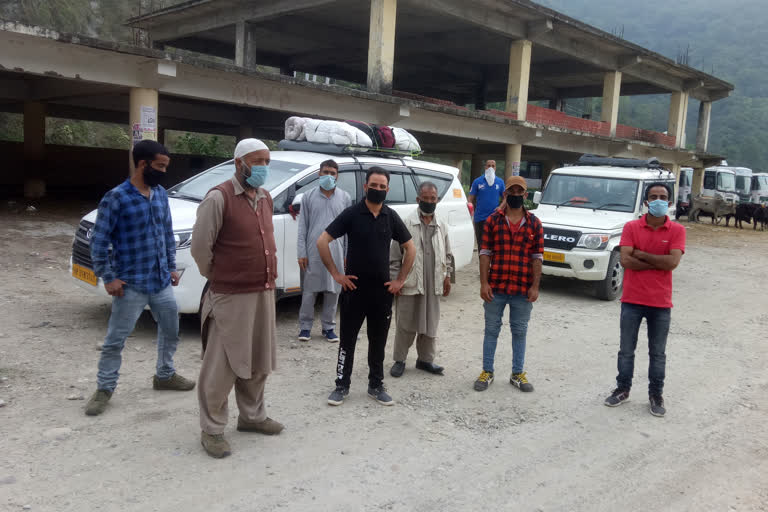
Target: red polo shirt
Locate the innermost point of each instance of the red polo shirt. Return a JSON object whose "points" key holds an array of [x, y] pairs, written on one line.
{"points": [[651, 287]]}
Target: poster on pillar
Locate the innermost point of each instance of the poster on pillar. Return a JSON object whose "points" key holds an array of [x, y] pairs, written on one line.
{"points": [[148, 123], [515, 168]]}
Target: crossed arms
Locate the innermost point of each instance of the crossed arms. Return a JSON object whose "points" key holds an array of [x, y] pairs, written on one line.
{"points": [[635, 259]]}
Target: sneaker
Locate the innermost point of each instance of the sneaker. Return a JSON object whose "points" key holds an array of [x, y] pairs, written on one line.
{"points": [[175, 383], [483, 381], [618, 397], [397, 369], [304, 335], [520, 381], [338, 395], [98, 402], [657, 406], [268, 427], [215, 445], [380, 395], [330, 336]]}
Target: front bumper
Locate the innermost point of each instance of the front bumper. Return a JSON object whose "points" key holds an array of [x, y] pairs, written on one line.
{"points": [[576, 264]]}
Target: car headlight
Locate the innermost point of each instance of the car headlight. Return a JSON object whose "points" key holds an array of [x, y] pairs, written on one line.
{"points": [[183, 239], [593, 241]]}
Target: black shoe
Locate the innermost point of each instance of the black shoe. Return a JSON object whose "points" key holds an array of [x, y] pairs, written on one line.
{"points": [[338, 395], [657, 406], [397, 369], [380, 395], [618, 397], [429, 367]]}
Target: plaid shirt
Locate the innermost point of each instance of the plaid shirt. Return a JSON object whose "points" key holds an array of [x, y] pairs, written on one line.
{"points": [[512, 253], [141, 234]]}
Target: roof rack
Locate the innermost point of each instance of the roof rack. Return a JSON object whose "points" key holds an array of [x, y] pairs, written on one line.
{"points": [[342, 149], [651, 163]]}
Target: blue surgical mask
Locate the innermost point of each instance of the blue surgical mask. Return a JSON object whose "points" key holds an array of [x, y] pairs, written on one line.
{"points": [[327, 182], [658, 208], [258, 176]]}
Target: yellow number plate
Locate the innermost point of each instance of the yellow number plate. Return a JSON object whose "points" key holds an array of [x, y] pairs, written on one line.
{"points": [[85, 274], [554, 256]]}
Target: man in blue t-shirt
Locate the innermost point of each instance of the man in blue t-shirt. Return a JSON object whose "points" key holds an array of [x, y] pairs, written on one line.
{"points": [[485, 194]]}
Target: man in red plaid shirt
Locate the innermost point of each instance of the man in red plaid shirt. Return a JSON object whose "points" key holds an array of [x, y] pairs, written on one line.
{"points": [[511, 255]]}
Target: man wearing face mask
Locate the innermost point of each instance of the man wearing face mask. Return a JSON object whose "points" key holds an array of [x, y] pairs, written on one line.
{"points": [[651, 248], [319, 208], [370, 227], [485, 193], [138, 270], [417, 308], [233, 244], [511, 256]]}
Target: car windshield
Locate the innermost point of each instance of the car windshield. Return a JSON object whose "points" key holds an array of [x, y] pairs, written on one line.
{"points": [[743, 184], [196, 187], [726, 182], [591, 192], [762, 182]]}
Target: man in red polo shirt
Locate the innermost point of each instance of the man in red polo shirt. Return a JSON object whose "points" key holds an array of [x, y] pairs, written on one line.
{"points": [[651, 248]]}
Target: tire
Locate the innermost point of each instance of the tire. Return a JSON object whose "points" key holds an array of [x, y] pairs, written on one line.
{"points": [[610, 287]]}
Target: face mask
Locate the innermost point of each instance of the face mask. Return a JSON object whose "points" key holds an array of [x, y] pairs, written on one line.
{"points": [[375, 196], [490, 176], [258, 176], [658, 208], [427, 208], [152, 176], [515, 201], [327, 182]]}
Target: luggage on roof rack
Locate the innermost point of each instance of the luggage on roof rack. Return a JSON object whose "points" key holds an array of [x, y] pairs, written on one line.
{"points": [[342, 149], [651, 163]]}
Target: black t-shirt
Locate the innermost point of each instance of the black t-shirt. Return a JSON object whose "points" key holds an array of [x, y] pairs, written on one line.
{"points": [[368, 239]]}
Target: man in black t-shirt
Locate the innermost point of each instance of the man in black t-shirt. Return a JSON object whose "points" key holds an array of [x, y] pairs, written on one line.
{"points": [[367, 290]]}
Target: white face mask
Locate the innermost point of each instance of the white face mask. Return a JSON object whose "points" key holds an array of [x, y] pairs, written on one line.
{"points": [[490, 176]]}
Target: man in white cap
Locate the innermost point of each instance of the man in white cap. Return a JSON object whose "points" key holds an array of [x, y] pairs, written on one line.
{"points": [[234, 247]]}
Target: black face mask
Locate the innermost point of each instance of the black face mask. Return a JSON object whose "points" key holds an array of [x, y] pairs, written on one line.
{"points": [[376, 196], [515, 201], [427, 208], [152, 176]]}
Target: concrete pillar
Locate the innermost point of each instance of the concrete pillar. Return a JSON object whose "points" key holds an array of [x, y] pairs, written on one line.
{"points": [[675, 168], [143, 115], [702, 133], [245, 45], [34, 149], [519, 77], [477, 168], [697, 182], [512, 155], [678, 111], [611, 96], [381, 46]]}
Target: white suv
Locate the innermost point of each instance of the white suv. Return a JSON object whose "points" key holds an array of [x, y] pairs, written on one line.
{"points": [[583, 209], [293, 173]]}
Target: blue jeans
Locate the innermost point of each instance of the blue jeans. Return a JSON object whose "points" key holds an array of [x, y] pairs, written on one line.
{"points": [[125, 312], [658, 327], [519, 314]]}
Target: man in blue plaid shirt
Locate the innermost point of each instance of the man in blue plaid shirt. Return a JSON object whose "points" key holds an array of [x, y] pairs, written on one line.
{"points": [[137, 270]]}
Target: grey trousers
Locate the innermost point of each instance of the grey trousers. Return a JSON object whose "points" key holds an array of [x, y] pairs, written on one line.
{"points": [[425, 345], [307, 311]]}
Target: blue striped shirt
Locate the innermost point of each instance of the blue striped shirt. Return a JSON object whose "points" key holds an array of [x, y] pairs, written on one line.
{"points": [[141, 234]]}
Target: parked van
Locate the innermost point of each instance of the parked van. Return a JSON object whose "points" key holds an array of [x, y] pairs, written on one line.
{"points": [[292, 174], [743, 183], [583, 209], [720, 182], [759, 194]]}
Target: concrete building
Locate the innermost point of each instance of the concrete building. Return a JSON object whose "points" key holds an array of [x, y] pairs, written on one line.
{"points": [[429, 66]]}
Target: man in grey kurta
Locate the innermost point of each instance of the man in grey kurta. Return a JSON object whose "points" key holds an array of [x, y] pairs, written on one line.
{"points": [[417, 308], [319, 208]]}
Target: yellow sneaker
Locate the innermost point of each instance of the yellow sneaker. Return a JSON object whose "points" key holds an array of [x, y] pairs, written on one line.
{"points": [[519, 380], [483, 381]]}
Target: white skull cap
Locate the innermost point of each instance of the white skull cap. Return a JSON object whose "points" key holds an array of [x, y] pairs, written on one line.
{"points": [[246, 146]]}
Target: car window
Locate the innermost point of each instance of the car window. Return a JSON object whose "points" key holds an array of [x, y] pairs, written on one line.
{"points": [[402, 188], [442, 180], [709, 180]]}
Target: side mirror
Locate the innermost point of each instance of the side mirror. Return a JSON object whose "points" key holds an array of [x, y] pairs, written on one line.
{"points": [[295, 206], [537, 197]]}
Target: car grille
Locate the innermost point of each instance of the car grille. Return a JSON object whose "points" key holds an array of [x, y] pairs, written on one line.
{"points": [[81, 247], [563, 239]]}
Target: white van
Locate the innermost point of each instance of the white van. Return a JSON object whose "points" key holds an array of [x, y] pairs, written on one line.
{"points": [[293, 173], [583, 209], [684, 192], [759, 194], [720, 183]]}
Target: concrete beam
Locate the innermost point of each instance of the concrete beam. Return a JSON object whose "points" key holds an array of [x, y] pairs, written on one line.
{"points": [[611, 96], [702, 132], [245, 45], [381, 46], [626, 62], [536, 28], [519, 76], [678, 111]]}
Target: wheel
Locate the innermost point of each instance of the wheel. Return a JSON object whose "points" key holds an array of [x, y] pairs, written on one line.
{"points": [[610, 287]]}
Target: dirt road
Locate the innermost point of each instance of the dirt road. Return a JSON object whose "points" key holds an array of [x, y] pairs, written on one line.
{"points": [[443, 447]]}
